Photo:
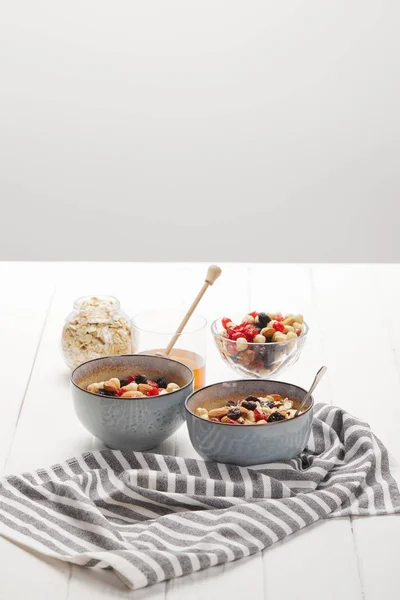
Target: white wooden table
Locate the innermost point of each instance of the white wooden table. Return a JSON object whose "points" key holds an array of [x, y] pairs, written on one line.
{"points": [[354, 329]]}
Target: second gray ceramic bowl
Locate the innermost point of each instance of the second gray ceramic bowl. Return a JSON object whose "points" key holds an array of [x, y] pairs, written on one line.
{"points": [[131, 423], [247, 445]]}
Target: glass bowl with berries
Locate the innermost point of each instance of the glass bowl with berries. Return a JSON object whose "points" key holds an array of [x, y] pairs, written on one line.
{"points": [[260, 344]]}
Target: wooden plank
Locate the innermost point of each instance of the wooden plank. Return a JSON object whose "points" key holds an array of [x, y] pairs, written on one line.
{"points": [[360, 360], [233, 580], [48, 425], [378, 547], [317, 562], [22, 318], [327, 546], [363, 371]]}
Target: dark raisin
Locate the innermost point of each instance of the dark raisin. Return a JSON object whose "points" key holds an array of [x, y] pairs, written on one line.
{"points": [[276, 416], [263, 319], [231, 403], [162, 382], [249, 404], [106, 393], [252, 399], [124, 382], [140, 379], [233, 413]]}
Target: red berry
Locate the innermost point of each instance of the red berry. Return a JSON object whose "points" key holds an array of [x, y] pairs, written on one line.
{"points": [[232, 422], [120, 392], [152, 392], [250, 332], [278, 318], [279, 326], [131, 378], [236, 335], [259, 415], [152, 383], [225, 321], [254, 314]]}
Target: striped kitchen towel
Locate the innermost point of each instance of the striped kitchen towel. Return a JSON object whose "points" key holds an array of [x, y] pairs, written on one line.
{"points": [[152, 517]]}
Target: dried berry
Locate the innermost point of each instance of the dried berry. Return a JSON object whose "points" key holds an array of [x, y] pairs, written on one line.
{"points": [[231, 403], [259, 415], [124, 382], [162, 382], [251, 398], [249, 404], [263, 319], [107, 393], [278, 326], [140, 379], [276, 416], [152, 392], [233, 413], [225, 321]]}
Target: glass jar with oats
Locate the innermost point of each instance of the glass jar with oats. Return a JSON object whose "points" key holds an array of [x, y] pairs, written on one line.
{"points": [[96, 327]]}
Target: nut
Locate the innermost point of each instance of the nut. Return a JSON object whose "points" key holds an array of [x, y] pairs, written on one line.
{"points": [[268, 332], [259, 339], [249, 319], [95, 387], [131, 387], [291, 335], [218, 412], [278, 337], [298, 319], [288, 328], [144, 388], [289, 320], [171, 387], [200, 412], [241, 344], [246, 357], [248, 414], [112, 384], [132, 394]]}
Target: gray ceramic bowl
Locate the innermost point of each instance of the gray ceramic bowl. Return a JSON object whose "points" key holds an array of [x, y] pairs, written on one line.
{"points": [[131, 423], [247, 445]]}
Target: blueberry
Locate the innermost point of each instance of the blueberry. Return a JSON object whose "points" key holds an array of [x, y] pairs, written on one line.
{"points": [[231, 403], [124, 382], [276, 416], [140, 379], [263, 319], [233, 413], [162, 382], [249, 404]]}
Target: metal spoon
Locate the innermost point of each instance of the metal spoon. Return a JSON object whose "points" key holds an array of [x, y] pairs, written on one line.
{"points": [[316, 381]]}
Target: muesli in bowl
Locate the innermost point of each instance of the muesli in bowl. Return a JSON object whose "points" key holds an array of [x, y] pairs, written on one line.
{"points": [[260, 344]]}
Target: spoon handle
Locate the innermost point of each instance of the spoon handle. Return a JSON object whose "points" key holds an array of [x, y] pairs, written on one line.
{"points": [[316, 381]]}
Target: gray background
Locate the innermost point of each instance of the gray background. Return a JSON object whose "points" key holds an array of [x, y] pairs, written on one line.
{"points": [[212, 130]]}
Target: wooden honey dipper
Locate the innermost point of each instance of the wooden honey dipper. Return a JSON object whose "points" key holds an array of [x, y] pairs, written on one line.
{"points": [[212, 275]]}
